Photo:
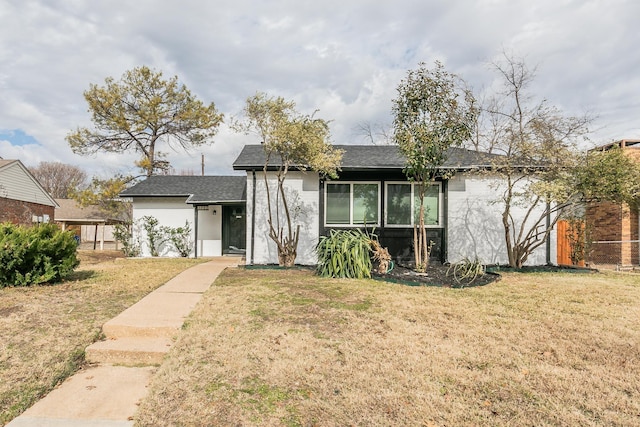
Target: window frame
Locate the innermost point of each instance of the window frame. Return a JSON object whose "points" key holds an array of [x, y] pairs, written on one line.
{"points": [[437, 184], [351, 223]]}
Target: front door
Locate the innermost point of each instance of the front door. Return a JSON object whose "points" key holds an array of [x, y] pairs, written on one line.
{"points": [[234, 229]]}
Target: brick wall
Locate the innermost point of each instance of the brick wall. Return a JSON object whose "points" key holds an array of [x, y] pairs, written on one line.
{"points": [[631, 251], [603, 219], [613, 222], [19, 212]]}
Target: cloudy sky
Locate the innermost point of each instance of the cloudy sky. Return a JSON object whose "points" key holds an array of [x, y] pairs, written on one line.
{"points": [[344, 58]]}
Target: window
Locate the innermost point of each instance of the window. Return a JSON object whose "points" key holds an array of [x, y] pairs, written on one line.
{"points": [[338, 203], [403, 200], [353, 203]]}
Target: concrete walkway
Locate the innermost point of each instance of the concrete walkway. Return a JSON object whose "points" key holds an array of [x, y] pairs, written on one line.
{"points": [[107, 393]]}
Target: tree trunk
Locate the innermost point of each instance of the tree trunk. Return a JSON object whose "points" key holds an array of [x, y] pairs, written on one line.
{"points": [[420, 242], [287, 257]]}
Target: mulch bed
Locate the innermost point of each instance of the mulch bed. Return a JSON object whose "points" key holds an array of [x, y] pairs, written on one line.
{"points": [[436, 275]]}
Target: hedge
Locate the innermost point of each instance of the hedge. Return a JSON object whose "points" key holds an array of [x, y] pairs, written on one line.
{"points": [[35, 255]]}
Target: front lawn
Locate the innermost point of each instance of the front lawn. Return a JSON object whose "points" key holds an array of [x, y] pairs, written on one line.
{"points": [[45, 329], [273, 347]]}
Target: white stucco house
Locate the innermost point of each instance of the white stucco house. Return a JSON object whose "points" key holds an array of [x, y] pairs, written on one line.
{"points": [[213, 206], [463, 219]]}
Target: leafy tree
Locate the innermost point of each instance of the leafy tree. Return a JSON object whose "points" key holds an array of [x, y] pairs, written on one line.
{"points": [[431, 113], [290, 140], [141, 111], [59, 179], [539, 159], [609, 175], [105, 193]]}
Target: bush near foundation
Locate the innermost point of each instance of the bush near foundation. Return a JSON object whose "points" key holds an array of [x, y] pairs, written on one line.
{"points": [[35, 255]]}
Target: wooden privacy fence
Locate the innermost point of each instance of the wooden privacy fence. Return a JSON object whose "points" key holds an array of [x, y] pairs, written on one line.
{"points": [[567, 238]]}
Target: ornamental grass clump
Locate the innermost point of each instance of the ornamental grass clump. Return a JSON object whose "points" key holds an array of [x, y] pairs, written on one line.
{"points": [[35, 255], [344, 254], [348, 253], [466, 271]]}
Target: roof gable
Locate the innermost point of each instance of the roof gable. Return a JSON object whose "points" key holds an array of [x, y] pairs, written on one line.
{"points": [[17, 183], [197, 189], [366, 157]]}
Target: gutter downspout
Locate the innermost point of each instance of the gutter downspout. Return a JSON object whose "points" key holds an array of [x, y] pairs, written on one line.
{"points": [[253, 215], [195, 231], [548, 242], [444, 256]]}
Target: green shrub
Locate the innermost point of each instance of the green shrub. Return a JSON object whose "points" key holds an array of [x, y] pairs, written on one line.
{"points": [[156, 236], [180, 238], [35, 255], [344, 253], [123, 233]]}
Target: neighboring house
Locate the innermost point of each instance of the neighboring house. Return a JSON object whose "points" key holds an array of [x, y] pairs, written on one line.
{"points": [[463, 218], [88, 223], [22, 198], [214, 207], [613, 227]]}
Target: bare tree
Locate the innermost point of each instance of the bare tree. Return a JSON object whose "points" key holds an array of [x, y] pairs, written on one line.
{"points": [[60, 180], [538, 144], [376, 133]]}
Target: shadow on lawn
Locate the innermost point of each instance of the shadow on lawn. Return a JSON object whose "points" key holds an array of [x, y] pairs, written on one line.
{"points": [[80, 275]]}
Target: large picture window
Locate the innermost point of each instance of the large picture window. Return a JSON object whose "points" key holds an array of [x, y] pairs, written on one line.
{"points": [[352, 203], [403, 205]]}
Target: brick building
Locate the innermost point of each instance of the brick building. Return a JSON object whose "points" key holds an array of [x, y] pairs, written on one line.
{"points": [[22, 198], [614, 226]]}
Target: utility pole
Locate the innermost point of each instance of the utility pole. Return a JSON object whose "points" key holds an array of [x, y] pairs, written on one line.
{"points": [[203, 164]]}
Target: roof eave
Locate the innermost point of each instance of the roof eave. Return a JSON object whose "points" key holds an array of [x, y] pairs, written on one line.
{"points": [[154, 195], [214, 202]]}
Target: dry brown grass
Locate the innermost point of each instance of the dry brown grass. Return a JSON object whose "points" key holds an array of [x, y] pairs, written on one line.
{"points": [[44, 330], [274, 348]]}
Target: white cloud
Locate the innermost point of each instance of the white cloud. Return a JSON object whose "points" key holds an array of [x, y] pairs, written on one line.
{"points": [[343, 58]]}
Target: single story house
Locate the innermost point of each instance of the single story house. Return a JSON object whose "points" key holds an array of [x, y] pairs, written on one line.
{"points": [[463, 218], [213, 206], [230, 212], [23, 200]]}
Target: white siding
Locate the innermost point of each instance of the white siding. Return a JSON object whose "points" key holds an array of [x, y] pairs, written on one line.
{"points": [[174, 212], [17, 184], [209, 231], [475, 227], [302, 195], [473, 219]]}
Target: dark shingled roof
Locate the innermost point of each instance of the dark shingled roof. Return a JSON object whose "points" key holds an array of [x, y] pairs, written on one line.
{"points": [[364, 157], [198, 189]]}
